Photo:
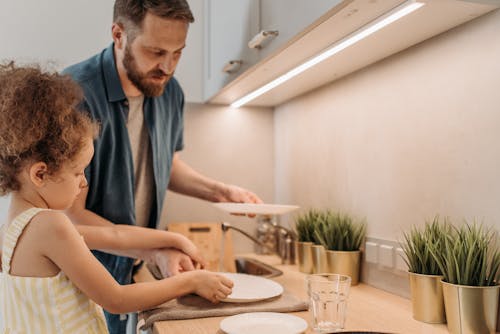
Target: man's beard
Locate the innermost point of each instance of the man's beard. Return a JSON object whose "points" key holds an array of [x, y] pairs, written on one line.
{"points": [[139, 79]]}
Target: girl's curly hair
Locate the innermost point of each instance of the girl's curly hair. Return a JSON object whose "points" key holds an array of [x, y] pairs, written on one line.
{"points": [[39, 121]]}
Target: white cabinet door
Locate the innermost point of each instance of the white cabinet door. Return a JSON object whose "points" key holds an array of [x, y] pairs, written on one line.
{"points": [[190, 70], [230, 24], [289, 17], [220, 34]]}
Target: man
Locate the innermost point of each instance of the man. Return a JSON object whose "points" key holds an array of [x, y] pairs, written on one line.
{"points": [[130, 89]]}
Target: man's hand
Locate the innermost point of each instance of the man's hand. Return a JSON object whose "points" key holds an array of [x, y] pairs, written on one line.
{"points": [[235, 194], [171, 261]]}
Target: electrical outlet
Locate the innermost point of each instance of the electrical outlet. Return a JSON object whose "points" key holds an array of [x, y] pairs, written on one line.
{"points": [[371, 252], [386, 256], [400, 263]]}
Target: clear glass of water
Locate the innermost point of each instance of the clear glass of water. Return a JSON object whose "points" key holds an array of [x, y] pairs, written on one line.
{"points": [[328, 295]]}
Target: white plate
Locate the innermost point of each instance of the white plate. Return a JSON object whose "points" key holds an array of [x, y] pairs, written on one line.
{"points": [[263, 323], [258, 209], [250, 288]]}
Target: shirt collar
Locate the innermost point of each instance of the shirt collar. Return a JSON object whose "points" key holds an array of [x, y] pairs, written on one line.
{"points": [[111, 78]]}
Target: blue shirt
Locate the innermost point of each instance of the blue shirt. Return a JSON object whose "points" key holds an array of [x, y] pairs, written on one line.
{"points": [[110, 174]]}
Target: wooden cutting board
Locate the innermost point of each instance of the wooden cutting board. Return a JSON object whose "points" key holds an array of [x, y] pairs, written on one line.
{"points": [[207, 236]]}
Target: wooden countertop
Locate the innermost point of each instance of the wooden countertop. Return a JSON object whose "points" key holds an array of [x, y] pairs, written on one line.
{"points": [[368, 309]]}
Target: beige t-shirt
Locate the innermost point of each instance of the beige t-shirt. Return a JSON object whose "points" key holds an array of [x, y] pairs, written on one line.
{"points": [[142, 158]]}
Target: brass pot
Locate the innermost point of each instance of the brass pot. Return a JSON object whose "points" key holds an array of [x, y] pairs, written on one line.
{"points": [[498, 317], [319, 259], [471, 309], [344, 263], [427, 298], [304, 256]]}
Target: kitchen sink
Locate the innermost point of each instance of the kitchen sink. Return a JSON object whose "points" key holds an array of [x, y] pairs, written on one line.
{"points": [[251, 266], [244, 265]]}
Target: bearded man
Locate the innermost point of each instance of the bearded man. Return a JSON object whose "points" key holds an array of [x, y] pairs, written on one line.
{"points": [[130, 89]]}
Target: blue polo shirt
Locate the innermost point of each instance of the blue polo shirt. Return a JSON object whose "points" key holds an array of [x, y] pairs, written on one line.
{"points": [[110, 174]]}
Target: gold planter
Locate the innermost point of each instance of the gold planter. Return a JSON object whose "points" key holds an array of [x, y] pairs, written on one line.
{"points": [[319, 259], [427, 298], [344, 263], [471, 309], [498, 317], [304, 256]]}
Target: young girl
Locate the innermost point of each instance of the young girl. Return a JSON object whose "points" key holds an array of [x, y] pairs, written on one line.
{"points": [[50, 278]]}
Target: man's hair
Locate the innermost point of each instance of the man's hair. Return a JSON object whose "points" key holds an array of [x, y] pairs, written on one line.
{"points": [[39, 121], [130, 13]]}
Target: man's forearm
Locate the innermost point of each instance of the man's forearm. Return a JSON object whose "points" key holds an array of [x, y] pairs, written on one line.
{"points": [[185, 180]]}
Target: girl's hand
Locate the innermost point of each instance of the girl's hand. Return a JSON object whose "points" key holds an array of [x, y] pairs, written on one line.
{"points": [[211, 286], [192, 251]]}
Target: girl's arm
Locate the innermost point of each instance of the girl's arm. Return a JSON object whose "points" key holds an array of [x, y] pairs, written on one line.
{"points": [[170, 260], [62, 244], [118, 237]]}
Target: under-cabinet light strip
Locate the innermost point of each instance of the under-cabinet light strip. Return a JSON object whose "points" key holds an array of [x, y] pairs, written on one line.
{"points": [[395, 14]]}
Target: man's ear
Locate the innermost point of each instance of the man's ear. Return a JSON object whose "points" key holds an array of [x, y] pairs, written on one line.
{"points": [[38, 173], [118, 34]]}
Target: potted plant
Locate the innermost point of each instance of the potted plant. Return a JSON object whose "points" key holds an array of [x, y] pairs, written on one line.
{"points": [[305, 226], [342, 237], [470, 262], [424, 273]]}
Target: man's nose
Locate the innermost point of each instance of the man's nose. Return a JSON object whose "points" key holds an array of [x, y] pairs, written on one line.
{"points": [[168, 64]]}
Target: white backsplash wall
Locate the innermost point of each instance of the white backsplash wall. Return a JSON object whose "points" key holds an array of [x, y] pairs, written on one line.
{"points": [[54, 33], [415, 135], [4, 207], [230, 145]]}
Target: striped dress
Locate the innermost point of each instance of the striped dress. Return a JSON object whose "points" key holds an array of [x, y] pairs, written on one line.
{"points": [[41, 305]]}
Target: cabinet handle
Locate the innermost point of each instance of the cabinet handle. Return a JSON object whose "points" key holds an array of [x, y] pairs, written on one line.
{"points": [[259, 39], [232, 66]]}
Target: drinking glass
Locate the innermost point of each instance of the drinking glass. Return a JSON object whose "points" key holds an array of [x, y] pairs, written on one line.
{"points": [[328, 295]]}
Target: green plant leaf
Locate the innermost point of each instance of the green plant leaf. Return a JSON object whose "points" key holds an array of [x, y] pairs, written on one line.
{"points": [[420, 244], [469, 256]]}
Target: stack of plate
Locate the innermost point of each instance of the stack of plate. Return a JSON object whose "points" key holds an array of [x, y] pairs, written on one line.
{"points": [[249, 288], [263, 323]]}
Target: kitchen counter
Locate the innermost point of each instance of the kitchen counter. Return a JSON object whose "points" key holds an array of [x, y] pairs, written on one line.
{"points": [[368, 308]]}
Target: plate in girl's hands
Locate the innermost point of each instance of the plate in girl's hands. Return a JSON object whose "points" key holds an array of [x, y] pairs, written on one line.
{"points": [[263, 323], [257, 209], [250, 288]]}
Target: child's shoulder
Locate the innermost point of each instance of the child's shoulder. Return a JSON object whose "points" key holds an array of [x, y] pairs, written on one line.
{"points": [[52, 222]]}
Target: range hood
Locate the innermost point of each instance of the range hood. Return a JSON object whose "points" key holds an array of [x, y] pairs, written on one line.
{"points": [[435, 17]]}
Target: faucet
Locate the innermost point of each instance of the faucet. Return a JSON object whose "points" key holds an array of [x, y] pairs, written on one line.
{"points": [[279, 240]]}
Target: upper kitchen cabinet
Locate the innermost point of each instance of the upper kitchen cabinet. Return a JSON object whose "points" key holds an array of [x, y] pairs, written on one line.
{"points": [[223, 28], [332, 32]]}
